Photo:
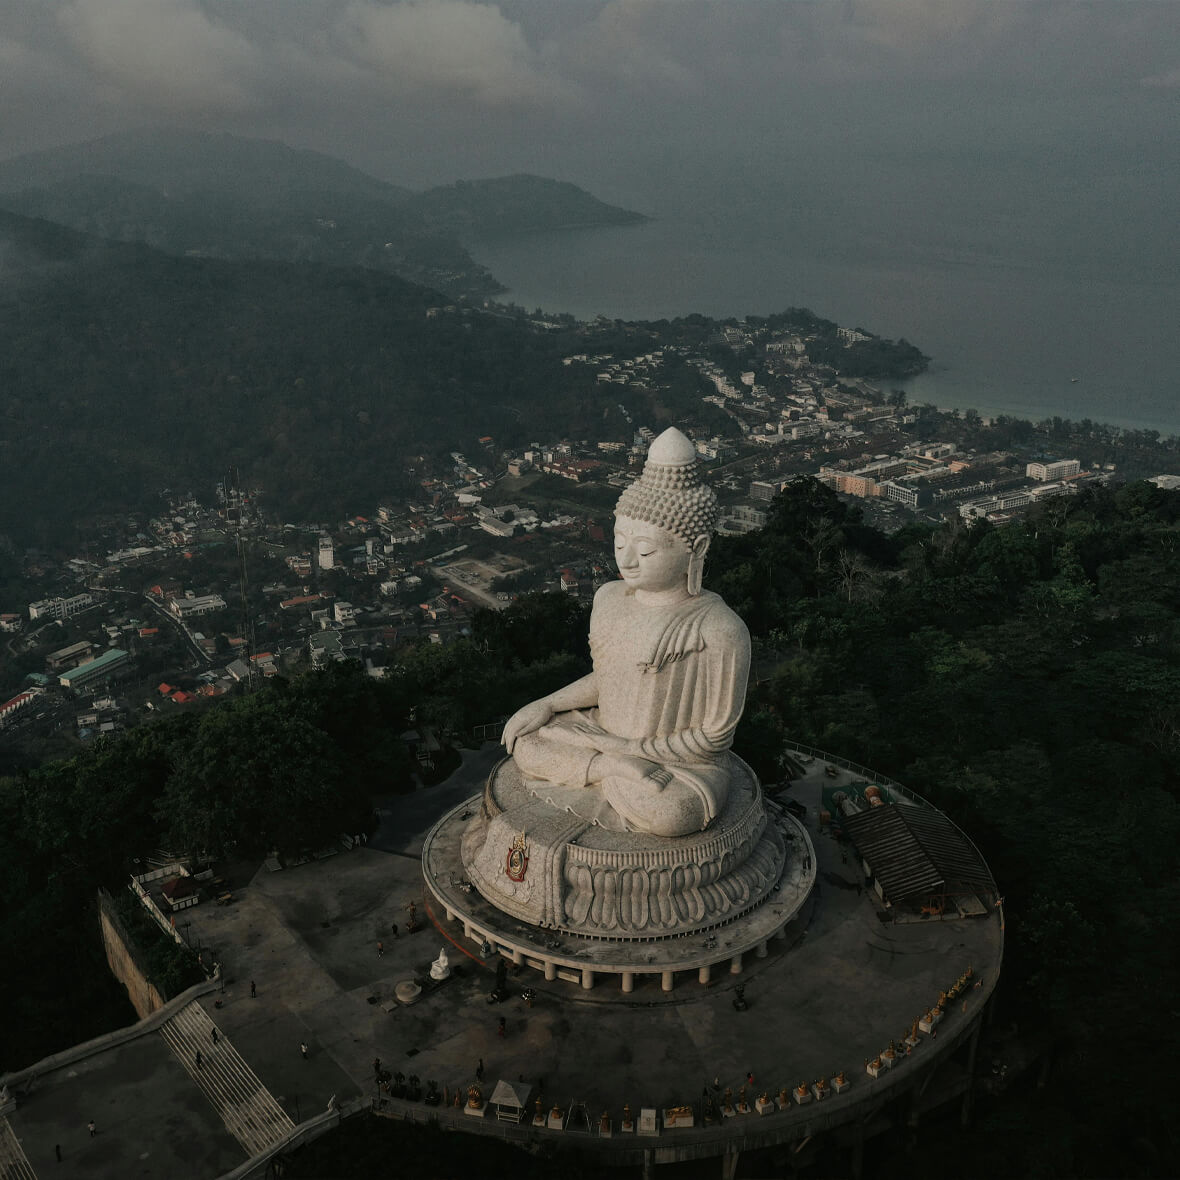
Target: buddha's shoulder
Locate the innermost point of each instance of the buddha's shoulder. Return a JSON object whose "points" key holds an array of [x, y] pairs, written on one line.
{"points": [[610, 594], [720, 621]]}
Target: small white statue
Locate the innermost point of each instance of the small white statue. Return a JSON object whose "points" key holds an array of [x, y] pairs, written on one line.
{"points": [[441, 967]]}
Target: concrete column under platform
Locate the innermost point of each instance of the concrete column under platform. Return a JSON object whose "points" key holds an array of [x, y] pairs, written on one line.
{"points": [[668, 980], [550, 970], [587, 978], [735, 965], [705, 973], [628, 981], [761, 951]]}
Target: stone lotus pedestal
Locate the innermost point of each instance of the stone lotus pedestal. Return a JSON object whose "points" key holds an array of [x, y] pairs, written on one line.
{"points": [[764, 1105], [574, 873], [648, 1121]]}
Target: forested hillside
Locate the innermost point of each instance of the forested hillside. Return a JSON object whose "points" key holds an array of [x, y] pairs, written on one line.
{"points": [[1026, 679], [124, 370]]}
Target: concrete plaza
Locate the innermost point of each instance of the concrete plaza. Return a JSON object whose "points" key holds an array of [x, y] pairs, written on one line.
{"points": [[828, 997]]}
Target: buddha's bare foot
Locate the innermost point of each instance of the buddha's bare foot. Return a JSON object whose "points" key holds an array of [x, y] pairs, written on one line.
{"points": [[625, 766]]}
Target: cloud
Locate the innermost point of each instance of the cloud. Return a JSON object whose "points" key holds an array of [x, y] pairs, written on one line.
{"points": [[430, 46], [169, 55]]}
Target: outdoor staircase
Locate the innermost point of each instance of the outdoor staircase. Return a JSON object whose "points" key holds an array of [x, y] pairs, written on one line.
{"points": [[246, 1106], [13, 1163]]}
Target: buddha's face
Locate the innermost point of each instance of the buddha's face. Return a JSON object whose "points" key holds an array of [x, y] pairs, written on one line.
{"points": [[650, 558]]}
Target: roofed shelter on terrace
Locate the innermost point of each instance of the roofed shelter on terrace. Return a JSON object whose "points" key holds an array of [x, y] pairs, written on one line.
{"points": [[920, 859]]}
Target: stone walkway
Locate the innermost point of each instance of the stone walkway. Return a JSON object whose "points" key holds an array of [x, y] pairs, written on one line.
{"points": [[245, 1105], [13, 1163]]}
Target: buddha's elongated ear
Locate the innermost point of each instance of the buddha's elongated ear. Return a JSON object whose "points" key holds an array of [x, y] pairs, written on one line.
{"points": [[696, 563]]}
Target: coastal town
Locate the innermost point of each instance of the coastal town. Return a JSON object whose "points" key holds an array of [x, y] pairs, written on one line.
{"points": [[213, 592]]}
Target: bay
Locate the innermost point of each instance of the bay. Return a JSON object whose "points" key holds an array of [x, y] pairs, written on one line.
{"points": [[1018, 319]]}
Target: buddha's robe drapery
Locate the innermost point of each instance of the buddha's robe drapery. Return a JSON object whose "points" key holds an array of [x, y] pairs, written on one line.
{"points": [[672, 681]]}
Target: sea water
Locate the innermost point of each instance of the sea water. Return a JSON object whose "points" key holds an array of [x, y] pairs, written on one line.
{"points": [[1031, 297]]}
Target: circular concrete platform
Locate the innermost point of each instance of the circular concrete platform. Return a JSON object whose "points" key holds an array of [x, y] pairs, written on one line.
{"points": [[565, 954]]}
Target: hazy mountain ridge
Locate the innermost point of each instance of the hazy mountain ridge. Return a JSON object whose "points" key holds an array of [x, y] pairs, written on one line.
{"points": [[221, 196], [522, 203], [183, 163]]}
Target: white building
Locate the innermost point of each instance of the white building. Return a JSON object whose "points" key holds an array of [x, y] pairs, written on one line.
{"points": [[327, 552], [344, 613], [196, 605], [60, 608], [1062, 469]]}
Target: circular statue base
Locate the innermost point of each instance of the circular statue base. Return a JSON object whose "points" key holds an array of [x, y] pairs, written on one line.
{"points": [[559, 857], [543, 875]]}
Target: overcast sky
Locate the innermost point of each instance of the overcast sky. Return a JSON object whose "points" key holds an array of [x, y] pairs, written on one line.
{"points": [[613, 94]]}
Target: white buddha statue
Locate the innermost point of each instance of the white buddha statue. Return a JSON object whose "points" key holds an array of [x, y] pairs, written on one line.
{"points": [[441, 967], [651, 724]]}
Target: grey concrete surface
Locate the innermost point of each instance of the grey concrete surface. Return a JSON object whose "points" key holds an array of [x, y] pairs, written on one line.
{"points": [[824, 1000]]}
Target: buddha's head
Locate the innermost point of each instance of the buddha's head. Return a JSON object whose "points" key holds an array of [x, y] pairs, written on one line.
{"points": [[664, 521]]}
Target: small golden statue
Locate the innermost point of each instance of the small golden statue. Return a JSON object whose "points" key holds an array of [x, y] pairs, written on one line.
{"points": [[474, 1097]]}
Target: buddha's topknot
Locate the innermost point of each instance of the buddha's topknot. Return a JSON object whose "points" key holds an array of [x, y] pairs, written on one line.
{"points": [[670, 493]]}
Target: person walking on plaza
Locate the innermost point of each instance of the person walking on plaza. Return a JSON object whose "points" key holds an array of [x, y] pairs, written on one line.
{"points": [[90, 1128], [479, 1071], [380, 948], [303, 1049], [253, 991], [214, 1035], [198, 1060], [503, 1022]]}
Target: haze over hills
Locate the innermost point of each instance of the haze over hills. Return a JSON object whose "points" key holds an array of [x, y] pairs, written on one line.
{"points": [[222, 196], [473, 209], [183, 163]]}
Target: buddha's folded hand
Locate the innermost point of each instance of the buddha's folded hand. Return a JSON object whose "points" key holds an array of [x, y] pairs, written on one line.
{"points": [[526, 720]]}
